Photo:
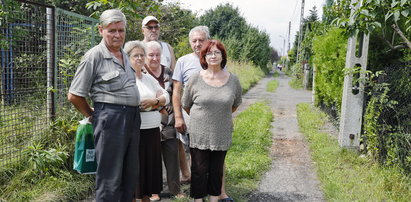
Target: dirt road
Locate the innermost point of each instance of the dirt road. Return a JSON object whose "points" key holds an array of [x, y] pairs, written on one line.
{"points": [[292, 176]]}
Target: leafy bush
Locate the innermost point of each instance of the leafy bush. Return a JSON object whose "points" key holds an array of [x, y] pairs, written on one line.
{"points": [[247, 73], [329, 59], [387, 120]]}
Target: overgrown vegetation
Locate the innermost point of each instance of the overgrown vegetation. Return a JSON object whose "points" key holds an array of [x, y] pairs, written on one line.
{"points": [[295, 83], [387, 105], [272, 85], [329, 59], [249, 156], [45, 172], [247, 73], [344, 175]]}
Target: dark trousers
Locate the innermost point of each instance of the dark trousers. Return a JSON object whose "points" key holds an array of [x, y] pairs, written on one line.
{"points": [[116, 132], [206, 172], [169, 148], [151, 177]]}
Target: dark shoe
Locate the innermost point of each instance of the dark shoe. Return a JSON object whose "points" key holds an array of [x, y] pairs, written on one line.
{"points": [[229, 199]]}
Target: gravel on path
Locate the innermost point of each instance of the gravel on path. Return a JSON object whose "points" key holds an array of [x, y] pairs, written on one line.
{"points": [[292, 176]]}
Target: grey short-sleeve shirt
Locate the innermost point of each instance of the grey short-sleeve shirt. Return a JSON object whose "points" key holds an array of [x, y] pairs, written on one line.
{"points": [[211, 122], [102, 77], [185, 67]]}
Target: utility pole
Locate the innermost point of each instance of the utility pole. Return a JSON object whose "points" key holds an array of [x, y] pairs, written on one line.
{"points": [[300, 35], [289, 36], [353, 92]]}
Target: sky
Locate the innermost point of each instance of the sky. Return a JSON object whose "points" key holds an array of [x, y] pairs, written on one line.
{"points": [[271, 16]]}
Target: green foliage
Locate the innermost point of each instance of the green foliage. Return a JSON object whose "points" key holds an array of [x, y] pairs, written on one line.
{"points": [[42, 160], [329, 59], [343, 174], [249, 156], [175, 22], [272, 85], [296, 83], [183, 47], [45, 174], [224, 21], [247, 73], [243, 42], [386, 119], [379, 16]]}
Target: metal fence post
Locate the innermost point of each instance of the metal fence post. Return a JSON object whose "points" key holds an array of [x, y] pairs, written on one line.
{"points": [[50, 63], [353, 92]]}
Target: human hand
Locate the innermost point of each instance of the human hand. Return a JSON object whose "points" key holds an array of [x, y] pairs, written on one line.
{"points": [[146, 104], [180, 125]]}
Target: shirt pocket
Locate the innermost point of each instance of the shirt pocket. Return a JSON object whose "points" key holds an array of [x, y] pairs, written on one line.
{"points": [[112, 81]]}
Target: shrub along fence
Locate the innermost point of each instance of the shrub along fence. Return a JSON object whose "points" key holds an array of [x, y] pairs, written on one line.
{"points": [[40, 48], [387, 117]]}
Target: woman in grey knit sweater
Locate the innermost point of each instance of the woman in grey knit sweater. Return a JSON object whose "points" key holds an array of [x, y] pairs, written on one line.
{"points": [[210, 97]]}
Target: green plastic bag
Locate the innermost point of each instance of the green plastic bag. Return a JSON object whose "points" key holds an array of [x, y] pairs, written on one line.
{"points": [[84, 152]]}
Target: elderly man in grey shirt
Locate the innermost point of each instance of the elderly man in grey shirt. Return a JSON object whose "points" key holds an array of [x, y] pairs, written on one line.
{"points": [[105, 74]]}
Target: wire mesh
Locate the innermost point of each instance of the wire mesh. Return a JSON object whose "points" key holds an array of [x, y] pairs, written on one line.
{"points": [[76, 34], [26, 49]]}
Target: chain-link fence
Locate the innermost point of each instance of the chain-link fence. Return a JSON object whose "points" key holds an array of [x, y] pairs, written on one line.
{"points": [[40, 48], [389, 107]]}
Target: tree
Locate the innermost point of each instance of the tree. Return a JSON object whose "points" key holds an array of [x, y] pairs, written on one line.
{"points": [[390, 18], [224, 21], [243, 42]]}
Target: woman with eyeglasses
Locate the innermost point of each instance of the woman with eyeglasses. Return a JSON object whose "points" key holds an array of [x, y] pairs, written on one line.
{"points": [[210, 97], [152, 96]]}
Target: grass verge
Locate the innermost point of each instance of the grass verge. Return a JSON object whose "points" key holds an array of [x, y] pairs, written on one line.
{"points": [[296, 83], [247, 73], [344, 175], [249, 156], [272, 85]]}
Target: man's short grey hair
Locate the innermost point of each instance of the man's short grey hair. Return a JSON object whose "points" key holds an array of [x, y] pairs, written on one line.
{"points": [[153, 44], [131, 45], [112, 15], [202, 28]]}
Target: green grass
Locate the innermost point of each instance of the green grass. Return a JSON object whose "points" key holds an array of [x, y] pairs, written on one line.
{"points": [[249, 157], [247, 73], [296, 83], [276, 74], [43, 177], [272, 85], [344, 175]]}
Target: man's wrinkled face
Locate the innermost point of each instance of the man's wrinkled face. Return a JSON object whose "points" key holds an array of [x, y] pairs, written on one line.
{"points": [[197, 39], [151, 31], [114, 35]]}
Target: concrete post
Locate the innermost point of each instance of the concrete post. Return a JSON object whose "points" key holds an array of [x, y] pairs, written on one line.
{"points": [[306, 76], [353, 93], [313, 90]]}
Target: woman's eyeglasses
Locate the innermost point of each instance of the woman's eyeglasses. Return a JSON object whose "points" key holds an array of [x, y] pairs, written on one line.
{"points": [[215, 53]]}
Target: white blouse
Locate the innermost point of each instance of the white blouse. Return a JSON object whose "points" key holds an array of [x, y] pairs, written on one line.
{"points": [[148, 88]]}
